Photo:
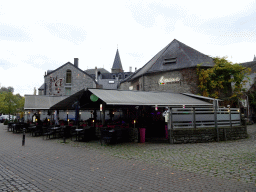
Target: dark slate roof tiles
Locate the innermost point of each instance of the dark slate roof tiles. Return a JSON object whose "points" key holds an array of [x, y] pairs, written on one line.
{"points": [[92, 71], [251, 64], [186, 57], [41, 87], [117, 62]]}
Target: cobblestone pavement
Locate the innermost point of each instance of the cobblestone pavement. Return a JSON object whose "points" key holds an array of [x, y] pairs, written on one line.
{"points": [[47, 165]]}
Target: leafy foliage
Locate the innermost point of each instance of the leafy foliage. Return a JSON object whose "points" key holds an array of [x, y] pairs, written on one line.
{"points": [[10, 103], [216, 82], [6, 122]]}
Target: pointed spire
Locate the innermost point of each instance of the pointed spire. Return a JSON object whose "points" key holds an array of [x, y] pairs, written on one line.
{"points": [[254, 59], [117, 65]]}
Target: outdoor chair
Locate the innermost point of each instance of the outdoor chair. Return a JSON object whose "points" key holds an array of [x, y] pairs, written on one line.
{"points": [[48, 132], [88, 133], [66, 132], [39, 131]]}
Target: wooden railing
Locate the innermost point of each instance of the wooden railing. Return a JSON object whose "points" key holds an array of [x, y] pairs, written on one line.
{"points": [[204, 117]]}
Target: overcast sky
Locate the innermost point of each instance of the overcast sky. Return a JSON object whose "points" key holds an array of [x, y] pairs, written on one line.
{"points": [[40, 35]]}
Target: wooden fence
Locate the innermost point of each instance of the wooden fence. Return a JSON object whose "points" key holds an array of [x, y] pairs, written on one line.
{"points": [[204, 117]]}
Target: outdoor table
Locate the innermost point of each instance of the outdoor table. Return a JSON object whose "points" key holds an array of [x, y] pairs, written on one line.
{"points": [[32, 129], [110, 135], [55, 130], [78, 133]]}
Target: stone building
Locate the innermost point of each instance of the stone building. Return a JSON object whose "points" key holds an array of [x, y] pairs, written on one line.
{"points": [[66, 80], [107, 80], [249, 87], [172, 69]]}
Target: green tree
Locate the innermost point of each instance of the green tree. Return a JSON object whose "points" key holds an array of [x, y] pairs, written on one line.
{"points": [[216, 81], [10, 103]]}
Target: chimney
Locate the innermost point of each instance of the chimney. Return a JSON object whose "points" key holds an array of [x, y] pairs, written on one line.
{"points": [[76, 62], [135, 69], [130, 69]]}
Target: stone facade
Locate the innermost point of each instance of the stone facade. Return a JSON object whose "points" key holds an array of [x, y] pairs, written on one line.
{"points": [[178, 81], [207, 134], [55, 82]]}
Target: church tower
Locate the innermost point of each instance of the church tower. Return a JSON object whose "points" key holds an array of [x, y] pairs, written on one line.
{"points": [[117, 65]]}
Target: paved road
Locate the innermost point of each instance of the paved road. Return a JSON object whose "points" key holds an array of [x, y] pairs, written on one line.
{"points": [[49, 166]]}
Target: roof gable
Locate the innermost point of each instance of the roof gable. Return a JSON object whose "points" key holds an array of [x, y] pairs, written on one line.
{"points": [[180, 55], [68, 63]]}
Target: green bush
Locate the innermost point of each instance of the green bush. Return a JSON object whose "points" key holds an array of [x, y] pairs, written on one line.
{"points": [[6, 122]]}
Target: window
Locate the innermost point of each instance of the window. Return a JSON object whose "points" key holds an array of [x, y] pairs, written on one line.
{"points": [[68, 76], [68, 91], [114, 77], [119, 76], [138, 87], [170, 61]]}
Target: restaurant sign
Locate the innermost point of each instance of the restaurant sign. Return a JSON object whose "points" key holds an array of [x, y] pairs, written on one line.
{"points": [[163, 81]]}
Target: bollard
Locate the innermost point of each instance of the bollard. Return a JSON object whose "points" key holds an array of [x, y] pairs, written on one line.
{"points": [[64, 140], [23, 140]]}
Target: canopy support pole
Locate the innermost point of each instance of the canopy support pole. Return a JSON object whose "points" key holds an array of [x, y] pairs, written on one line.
{"points": [[103, 114], [170, 125]]}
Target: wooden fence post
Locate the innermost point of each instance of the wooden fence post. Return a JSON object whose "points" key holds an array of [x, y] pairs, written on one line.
{"points": [[216, 119], [230, 120], [194, 117]]}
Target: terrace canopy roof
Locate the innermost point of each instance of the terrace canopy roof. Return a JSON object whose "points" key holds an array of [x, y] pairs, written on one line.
{"points": [[126, 98], [41, 102]]}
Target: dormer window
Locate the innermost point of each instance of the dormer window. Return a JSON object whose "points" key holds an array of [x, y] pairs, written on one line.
{"points": [[68, 76], [119, 76], [114, 76], [170, 60]]}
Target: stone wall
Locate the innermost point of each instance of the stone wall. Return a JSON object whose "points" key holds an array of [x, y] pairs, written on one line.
{"points": [[208, 134], [180, 81], [56, 81]]}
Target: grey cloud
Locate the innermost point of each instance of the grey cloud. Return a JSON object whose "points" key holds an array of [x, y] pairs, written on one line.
{"points": [[68, 32], [10, 33]]}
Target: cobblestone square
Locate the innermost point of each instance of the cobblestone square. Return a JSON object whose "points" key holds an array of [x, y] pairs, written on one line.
{"points": [[50, 165]]}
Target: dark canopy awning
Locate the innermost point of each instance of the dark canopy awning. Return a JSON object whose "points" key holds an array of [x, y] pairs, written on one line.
{"points": [[127, 98]]}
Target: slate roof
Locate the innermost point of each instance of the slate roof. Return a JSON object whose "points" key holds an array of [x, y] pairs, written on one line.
{"points": [[252, 76], [41, 87], [92, 71], [185, 56], [68, 63], [106, 85], [251, 64], [117, 62]]}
